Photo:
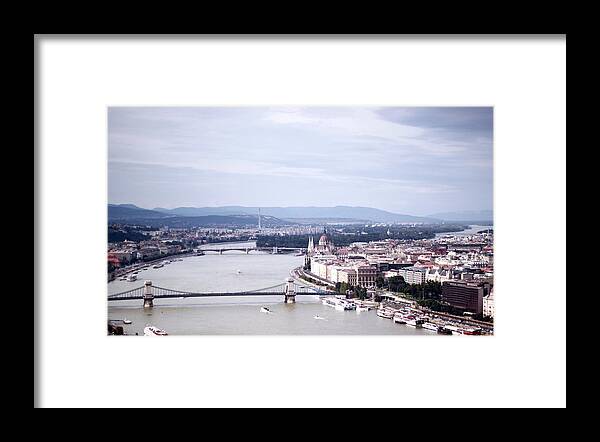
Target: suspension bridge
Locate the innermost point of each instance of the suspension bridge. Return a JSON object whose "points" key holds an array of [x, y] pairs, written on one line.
{"points": [[148, 292]]}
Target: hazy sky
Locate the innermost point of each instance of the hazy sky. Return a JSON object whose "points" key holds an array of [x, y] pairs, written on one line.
{"points": [[407, 160]]}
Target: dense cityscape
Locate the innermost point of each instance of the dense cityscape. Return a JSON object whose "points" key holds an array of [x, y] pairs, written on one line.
{"points": [[432, 276]]}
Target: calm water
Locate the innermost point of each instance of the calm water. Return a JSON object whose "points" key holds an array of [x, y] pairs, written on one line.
{"points": [[240, 316], [473, 229]]}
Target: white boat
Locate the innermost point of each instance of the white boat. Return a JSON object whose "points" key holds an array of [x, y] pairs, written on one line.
{"points": [[453, 329], [265, 310], [132, 277], [151, 330], [338, 304], [361, 308], [386, 314], [239, 271], [319, 317], [430, 326], [126, 321], [399, 318], [413, 321], [349, 305]]}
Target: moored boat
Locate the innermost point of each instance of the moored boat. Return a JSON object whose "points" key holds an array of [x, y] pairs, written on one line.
{"points": [[443, 330], [399, 318], [151, 330], [386, 314], [413, 321], [430, 326], [338, 304]]}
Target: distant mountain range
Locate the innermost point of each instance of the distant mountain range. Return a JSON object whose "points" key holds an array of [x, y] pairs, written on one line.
{"points": [[180, 222], [280, 215], [300, 212], [129, 211]]}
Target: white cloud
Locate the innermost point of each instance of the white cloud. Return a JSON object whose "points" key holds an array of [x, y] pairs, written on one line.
{"points": [[341, 150]]}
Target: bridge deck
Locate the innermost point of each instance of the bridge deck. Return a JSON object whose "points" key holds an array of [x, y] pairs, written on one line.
{"points": [[212, 295], [165, 293]]}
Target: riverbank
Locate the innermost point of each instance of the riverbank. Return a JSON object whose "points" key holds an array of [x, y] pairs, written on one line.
{"points": [[307, 278], [122, 271], [301, 274]]}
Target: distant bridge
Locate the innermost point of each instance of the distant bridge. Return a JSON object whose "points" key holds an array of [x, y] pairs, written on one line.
{"points": [[221, 250], [148, 292]]}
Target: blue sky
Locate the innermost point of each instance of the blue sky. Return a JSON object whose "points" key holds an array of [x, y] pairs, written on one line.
{"points": [[413, 160]]}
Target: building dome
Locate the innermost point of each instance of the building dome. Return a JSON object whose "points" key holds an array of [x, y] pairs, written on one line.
{"points": [[323, 241]]}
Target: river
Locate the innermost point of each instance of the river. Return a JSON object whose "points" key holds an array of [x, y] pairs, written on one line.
{"points": [[473, 229], [240, 315]]}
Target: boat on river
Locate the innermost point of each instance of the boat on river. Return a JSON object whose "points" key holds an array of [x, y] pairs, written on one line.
{"points": [[430, 326], [414, 321], [399, 318], [386, 314], [265, 310], [338, 304], [151, 330]]}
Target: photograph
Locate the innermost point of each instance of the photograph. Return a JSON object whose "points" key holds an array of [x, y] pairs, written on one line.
{"points": [[304, 221], [300, 220]]}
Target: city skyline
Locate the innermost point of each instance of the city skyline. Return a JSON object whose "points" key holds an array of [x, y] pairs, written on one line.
{"points": [[400, 159]]}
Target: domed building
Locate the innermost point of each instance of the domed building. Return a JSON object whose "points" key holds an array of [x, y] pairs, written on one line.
{"points": [[325, 245]]}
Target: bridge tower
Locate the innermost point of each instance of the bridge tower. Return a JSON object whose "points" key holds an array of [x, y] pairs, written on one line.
{"points": [[148, 294], [290, 291]]}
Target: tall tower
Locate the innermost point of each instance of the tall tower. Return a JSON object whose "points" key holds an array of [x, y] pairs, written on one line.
{"points": [[311, 245], [259, 218]]}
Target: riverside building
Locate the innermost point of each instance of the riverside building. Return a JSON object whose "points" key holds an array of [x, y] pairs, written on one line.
{"points": [[465, 295], [488, 304]]}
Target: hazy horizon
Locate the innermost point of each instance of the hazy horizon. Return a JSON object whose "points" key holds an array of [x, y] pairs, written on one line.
{"points": [[409, 160], [290, 207]]}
